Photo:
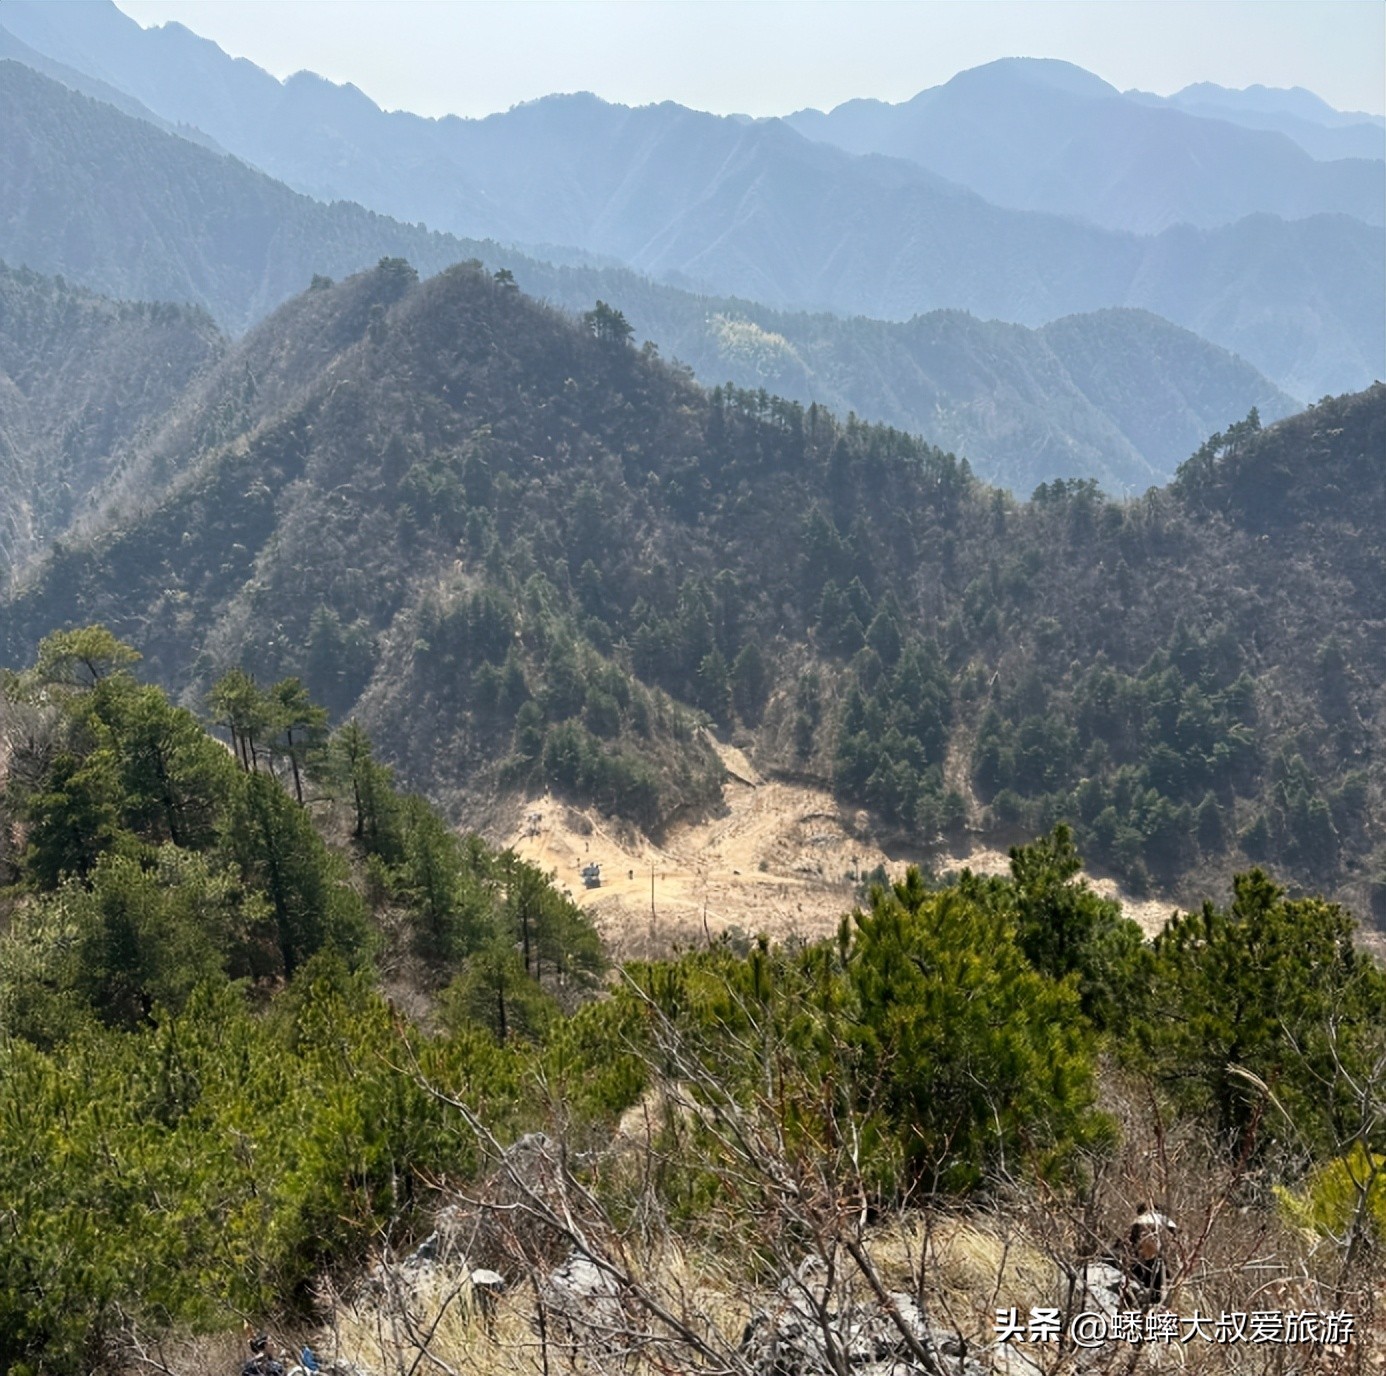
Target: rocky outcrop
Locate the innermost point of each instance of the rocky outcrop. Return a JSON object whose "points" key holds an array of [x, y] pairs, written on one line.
{"points": [[809, 1331], [581, 1305]]}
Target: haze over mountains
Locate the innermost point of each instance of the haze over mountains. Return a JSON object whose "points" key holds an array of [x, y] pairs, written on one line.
{"points": [[1312, 123], [1282, 264], [107, 200], [128, 209], [1039, 134]]}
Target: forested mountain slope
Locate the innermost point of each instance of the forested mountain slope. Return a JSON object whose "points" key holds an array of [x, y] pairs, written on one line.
{"points": [[759, 211], [1117, 395], [82, 380], [498, 536]]}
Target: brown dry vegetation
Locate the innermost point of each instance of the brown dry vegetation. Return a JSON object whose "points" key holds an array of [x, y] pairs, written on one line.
{"points": [[779, 856], [687, 1301]]}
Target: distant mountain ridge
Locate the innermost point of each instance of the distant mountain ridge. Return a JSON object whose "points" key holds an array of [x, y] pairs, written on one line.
{"points": [[132, 211], [759, 211], [1038, 134], [1319, 129], [1302, 104], [997, 129], [144, 214], [13, 50], [1312, 123]]}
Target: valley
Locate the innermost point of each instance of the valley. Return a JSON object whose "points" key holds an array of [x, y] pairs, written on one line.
{"points": [[735, 734]]}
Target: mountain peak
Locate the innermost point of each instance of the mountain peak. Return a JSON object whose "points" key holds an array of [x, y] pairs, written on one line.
{"points": [[1294, 101], [1049, 72]]}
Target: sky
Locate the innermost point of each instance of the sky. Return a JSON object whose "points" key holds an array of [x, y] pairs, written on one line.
{"points": [[769, 57]]}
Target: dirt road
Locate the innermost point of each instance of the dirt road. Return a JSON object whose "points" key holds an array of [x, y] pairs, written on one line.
{"points": [[782, 858]]}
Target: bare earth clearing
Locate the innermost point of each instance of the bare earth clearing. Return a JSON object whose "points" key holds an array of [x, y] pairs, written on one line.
{"points": [[784, 858]]}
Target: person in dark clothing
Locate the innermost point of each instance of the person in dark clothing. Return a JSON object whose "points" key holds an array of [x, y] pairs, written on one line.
{"points": [[1145, 1259], [262, 1359]]}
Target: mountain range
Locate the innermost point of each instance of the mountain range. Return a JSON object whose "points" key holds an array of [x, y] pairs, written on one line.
{"points": [[520, 549], [757, 210], [330, 542], [112, 202], [1311, 122], [1038, 134]]}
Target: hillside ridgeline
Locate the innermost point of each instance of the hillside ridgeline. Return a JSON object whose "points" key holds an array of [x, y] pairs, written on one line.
{"points": [[885, 237], [146, 214], [528, 554]]}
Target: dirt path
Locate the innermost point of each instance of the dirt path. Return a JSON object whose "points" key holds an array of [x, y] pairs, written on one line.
{"points": [[782, 858]]}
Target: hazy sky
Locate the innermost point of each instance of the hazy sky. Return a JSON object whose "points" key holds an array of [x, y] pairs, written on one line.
{"points": [[763, 57]]}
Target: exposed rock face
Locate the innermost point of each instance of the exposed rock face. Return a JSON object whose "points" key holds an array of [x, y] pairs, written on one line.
{"points": [[1102, 1289], [582, 1307], [808, 1332]]}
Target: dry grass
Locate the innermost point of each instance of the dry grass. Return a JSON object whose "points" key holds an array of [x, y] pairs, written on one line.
{"points": [[689, 1285], [782, 857], [965, 1268], [379, 1334], [439, 1328]]}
